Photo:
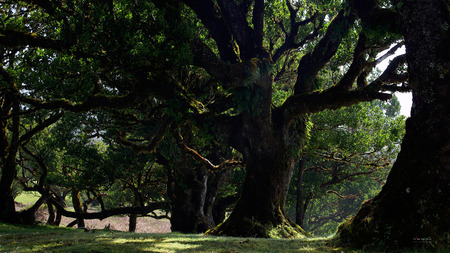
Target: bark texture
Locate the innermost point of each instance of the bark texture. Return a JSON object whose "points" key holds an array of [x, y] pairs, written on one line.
{"points": [[194, 196], [270, 151], [413, 208]]}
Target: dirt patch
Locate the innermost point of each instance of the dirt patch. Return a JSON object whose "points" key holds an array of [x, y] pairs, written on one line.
{"points": [[120, 223]]}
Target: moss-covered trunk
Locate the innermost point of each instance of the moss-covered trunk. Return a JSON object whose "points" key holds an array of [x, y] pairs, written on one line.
{"points": [[270, 150], [76, 201], [260, 209], [413, 207]]}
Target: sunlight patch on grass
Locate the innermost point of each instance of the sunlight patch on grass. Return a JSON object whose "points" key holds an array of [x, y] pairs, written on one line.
{"points": [[27, 198], [137, 240], [15, 238], [174, 246]]}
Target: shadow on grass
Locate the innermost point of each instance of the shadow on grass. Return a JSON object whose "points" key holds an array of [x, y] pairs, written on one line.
{"points": [[192, 243], [16, 238]]}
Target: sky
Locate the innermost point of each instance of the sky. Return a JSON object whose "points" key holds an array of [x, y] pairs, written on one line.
{"points": [[405, 102], [404, 98]]}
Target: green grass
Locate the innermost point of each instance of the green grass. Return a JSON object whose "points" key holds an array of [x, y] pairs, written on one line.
{"points": [[16, 238], [27, 198]]}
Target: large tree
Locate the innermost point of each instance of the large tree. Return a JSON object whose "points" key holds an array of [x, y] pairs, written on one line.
{"points": [[253, 41], [118, 53], [413, 207]]}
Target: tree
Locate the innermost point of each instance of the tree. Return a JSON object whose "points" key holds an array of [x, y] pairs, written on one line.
{"points": [[54, 57], [413, 206], [13, 136], [350, 153], [265, 134], [241, 53]]}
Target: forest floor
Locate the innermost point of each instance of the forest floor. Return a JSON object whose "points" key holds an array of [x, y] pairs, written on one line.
{"points": [[41, 238], [18, 238], [151, 236]]}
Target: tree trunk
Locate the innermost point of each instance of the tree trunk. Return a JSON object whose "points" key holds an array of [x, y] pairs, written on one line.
{"points": [[260, 209], [299, 211], [413, 208], [270, 147], [7, 207], [51, 214], [215, 208], [132, 223], [76, 200], [190, 190]]}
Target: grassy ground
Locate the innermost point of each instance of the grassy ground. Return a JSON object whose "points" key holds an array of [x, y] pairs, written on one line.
{"points": [[154, 237], [27, 198], [14, 238]]}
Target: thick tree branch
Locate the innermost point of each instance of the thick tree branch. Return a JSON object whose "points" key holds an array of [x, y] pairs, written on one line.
{"points": [[51, 120], [374, 16], [387, 54], [329, 99], [313, 62], [150, 146], [211, 19], [258, 23], [245, 6], [229, 74], [93, 102], [358, 65], [108, 213], [335, 97], [239, 27], [11, 38], [289, 42], [395, 88]]}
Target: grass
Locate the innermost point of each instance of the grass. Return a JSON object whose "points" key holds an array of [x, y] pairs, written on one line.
{"points": [[17, 238], [27, 198]]}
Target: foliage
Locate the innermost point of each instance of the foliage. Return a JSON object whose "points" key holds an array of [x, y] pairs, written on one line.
{"points": [[351, 153]]}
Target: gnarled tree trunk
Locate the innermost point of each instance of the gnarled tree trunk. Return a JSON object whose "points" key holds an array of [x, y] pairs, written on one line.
{"points": [[413, 207], [260, 210], [8, 152], [194, 201], [76, 200], [270, 151], [188, 202]]}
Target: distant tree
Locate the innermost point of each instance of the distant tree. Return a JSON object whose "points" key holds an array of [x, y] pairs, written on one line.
{"points": [[14, 134], [351, 152], [63, 56]]}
